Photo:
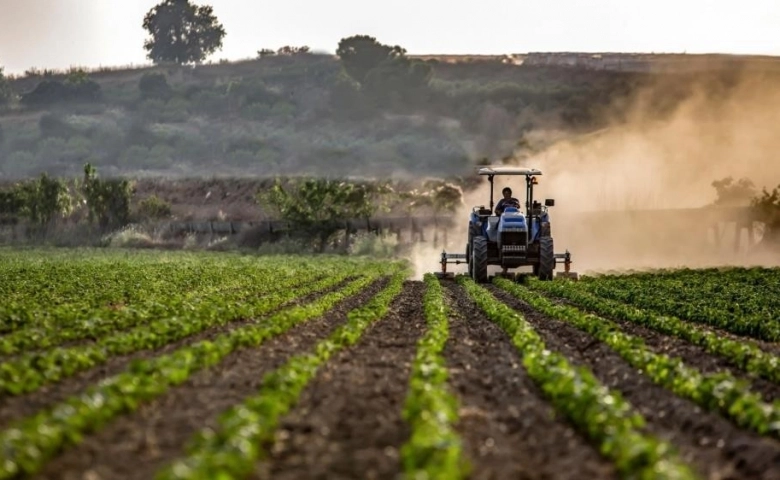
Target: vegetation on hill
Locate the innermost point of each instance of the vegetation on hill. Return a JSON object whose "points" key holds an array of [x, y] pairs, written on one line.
{"points": [[370, 110]]}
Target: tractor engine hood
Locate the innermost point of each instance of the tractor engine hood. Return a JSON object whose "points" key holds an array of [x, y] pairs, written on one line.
{"points": [[512, 220]]}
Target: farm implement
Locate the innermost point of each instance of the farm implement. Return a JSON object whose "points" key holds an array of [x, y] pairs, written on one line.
{"points": [[508, 237]]}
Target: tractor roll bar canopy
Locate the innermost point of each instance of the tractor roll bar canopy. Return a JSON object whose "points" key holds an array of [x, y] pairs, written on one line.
{"points": [[503, 170]]}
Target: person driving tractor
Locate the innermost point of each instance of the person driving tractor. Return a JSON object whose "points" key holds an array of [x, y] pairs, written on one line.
{"points": [[507, 201]]}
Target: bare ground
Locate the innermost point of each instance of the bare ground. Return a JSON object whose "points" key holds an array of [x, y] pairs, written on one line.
{"points": [[348, 422]]}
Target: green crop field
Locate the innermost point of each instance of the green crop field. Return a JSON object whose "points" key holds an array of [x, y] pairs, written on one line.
{"points": [[149, 364]]}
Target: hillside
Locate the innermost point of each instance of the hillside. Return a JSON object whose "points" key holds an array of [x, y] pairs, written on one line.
{"points": [[291, 115]]}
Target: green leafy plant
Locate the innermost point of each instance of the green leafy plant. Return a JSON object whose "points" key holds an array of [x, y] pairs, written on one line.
{"points": [[434, 448], [719, 392], [743, 354], [32, 441]]}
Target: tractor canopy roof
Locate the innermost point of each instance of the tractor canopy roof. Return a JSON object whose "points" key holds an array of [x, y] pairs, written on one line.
{"points": [[504, 170]]}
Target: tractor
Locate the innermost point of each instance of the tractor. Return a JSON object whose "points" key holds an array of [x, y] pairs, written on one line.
{"points": [[512, 239]]}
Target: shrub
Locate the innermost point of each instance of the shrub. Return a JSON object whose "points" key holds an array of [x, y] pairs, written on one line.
{"points": [[154, 207], [51, 92], [19, 163], [52, 125], [154, 85]]}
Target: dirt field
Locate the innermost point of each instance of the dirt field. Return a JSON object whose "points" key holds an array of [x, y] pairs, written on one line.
{"points": [[354, 413]]}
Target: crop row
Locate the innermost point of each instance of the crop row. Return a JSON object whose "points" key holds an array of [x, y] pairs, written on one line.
{"points": [[232, 449], [716, 392], [743, 354], [718, 299], [96, 325], [40, 293], [434, 447], [33, 370], [33, 440], [126, 292], [599, 413]]}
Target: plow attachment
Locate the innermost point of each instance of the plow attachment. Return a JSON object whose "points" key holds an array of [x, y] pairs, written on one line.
{"points": [[565, 259], [456, 258], [459, 258]]}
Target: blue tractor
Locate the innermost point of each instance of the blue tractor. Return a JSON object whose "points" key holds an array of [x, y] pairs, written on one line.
{"points": [[512, 238]]}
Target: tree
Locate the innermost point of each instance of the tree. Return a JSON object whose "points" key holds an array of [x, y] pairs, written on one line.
{"points": [[766, 208], [108, 201], [360, 54], [318, 207], [181, 32], [384, 72], [5, 89], [732, 194], [44, 199]]}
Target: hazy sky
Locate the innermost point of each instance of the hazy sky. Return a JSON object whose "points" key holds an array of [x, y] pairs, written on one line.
{"points": [[63, 33]]}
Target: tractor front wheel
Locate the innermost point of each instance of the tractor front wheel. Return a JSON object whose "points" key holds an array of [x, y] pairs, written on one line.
{"points": [[479, 260], [546, 259]]}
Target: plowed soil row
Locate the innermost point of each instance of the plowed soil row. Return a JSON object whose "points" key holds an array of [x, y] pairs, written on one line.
{"points": [[510, 431], [14, 407], [136, 445], [348, 423], [714, 446]]}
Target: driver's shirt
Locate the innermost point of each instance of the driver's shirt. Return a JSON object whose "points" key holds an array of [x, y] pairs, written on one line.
{"points": [[503, 203]]}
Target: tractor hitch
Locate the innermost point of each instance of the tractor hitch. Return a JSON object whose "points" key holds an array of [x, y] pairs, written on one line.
{"points": [[566, 261], [456, 258]]}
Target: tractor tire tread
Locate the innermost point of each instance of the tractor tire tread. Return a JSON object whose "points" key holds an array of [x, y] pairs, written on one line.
{"points": [[546, 258], [479, 252]]}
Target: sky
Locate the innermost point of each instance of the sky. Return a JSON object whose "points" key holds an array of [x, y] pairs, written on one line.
{"points": [[92, 33]]}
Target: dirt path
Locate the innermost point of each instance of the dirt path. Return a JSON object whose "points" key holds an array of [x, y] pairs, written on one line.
{"points": [[348, 422], [508, 427], [13, 408], [136, 445], [711, 443]]}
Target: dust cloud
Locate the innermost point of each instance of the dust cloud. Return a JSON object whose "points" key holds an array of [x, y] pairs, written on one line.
{"points": [[613, 187]]}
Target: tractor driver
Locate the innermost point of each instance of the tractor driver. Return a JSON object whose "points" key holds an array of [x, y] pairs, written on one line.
{"points": [[507, 201]]}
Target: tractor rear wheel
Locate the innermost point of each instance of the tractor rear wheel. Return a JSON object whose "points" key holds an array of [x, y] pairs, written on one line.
{"points": [[469, 260], [546, 259], [479, 259]]}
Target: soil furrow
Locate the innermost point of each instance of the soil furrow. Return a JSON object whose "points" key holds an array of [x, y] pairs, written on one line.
{"points": [[693, 355], [509, 429], [135, 446], [348, 421], [714, 446], [13, 408]]}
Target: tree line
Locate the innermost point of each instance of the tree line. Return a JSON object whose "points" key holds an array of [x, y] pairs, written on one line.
{"points": [[43, 200]]}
